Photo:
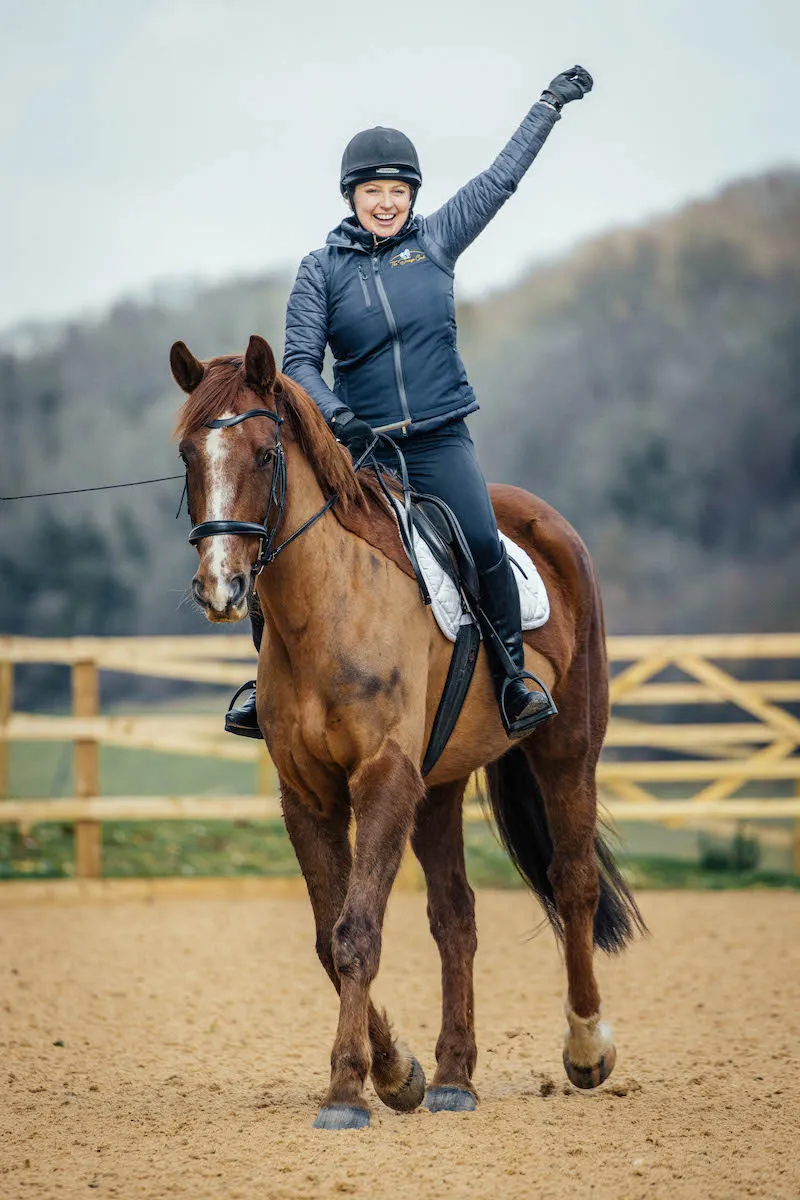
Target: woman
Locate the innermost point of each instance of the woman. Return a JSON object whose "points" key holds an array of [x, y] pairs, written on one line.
{"points": [[380, 293]]}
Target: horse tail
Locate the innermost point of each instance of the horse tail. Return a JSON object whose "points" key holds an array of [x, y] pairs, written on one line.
{"points": [[519, 812]]}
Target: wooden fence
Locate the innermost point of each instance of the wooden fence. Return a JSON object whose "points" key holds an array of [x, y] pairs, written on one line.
{"points": [[701, 729]]}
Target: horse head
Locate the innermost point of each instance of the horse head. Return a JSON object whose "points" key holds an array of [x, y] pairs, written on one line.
{"points": [[234, 468]]}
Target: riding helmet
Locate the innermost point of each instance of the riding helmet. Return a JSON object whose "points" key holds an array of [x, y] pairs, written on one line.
{"points": [[378, 153]]}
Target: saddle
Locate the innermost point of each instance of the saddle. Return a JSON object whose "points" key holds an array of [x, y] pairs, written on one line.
{"points": [[438, 527]]}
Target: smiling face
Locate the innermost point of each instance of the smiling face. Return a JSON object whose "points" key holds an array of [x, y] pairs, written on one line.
{"points": [[382, 205]]}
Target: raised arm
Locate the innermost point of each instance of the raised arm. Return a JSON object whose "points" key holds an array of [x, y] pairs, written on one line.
{"points": [[307, 335], [459, 221]]}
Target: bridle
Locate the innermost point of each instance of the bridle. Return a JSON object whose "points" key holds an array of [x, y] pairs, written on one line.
{"points": [[267, 531]]}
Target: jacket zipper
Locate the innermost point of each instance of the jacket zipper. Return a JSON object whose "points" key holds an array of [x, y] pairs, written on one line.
{"points": [[398, 360], [362, 276]]}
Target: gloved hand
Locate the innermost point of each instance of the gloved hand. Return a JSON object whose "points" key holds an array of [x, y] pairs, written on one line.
{"points": [[569, 85], [352, 432]]}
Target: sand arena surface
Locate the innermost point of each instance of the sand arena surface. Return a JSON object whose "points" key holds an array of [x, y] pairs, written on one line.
{"points": [[196, 1037]]}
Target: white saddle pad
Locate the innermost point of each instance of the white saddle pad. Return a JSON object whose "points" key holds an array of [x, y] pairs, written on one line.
{"points": [[445, 598]]}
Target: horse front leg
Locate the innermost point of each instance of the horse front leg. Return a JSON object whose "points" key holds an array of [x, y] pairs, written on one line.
{"points": [[323, 851], [384, 792], [438, 842]]}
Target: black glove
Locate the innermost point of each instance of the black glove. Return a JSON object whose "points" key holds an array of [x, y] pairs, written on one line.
{"points": [[569, 85], [352, 432]]}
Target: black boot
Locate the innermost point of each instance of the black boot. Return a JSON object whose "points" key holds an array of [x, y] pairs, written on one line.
{"points": [[243, 719], [520, 708]]}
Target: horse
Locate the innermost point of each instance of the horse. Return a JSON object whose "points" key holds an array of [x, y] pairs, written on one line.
{"points": [[350, 672]]}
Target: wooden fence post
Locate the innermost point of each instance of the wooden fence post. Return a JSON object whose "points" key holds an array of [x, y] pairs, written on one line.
{"points": [[6, 708], [88, 834]]}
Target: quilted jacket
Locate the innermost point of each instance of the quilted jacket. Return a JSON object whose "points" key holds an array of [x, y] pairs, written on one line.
{"points": [[388, 311]]}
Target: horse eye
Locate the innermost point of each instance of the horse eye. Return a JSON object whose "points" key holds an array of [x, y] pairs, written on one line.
{"points": [[183, 458], [266, 458]]}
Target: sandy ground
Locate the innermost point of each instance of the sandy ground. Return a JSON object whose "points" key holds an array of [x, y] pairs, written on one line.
{"points": [[179, 1049]]}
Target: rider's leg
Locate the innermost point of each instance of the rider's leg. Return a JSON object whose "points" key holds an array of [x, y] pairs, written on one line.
{"points": [[520, 708], [242, 719], [444, 464]]}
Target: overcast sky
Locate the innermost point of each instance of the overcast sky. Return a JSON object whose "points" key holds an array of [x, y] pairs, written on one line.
{"points": [[144, 140]]}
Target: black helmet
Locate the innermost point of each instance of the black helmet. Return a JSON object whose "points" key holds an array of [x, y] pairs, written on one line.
{"points": [[379, 153]]}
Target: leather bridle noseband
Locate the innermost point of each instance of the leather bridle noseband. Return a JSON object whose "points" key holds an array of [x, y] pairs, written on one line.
{"points": [[267, 531]]}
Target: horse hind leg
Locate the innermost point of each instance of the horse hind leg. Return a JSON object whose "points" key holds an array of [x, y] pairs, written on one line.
{"points": [[546, 809], [323, 851], [438, 843], [593, 902]]}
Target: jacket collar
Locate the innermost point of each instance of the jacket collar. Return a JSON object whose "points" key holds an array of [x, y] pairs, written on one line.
{"points": [[352, 236]]}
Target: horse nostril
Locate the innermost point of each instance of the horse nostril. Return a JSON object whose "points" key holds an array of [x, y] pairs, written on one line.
{"points": [[238, 587], [197, 591]]}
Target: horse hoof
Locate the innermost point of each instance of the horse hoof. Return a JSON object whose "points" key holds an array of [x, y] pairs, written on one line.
{"points": [[410, 1094], [342, 1116], [591, 1077], [450, 1099], [589, 1054]]}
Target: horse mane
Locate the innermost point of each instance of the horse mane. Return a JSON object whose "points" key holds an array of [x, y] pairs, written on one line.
{"points": [[225, 389]]}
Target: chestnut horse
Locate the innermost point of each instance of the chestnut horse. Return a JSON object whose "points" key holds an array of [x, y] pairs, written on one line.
{"points": [[350, 673]]}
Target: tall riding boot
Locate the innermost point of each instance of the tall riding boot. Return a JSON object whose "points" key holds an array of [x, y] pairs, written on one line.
{"points": [[520, 708], [243, 720]]}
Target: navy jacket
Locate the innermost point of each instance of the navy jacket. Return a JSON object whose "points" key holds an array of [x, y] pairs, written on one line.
{"points": [[388, 311]]}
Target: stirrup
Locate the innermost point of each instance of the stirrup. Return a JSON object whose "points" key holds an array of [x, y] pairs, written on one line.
{"points": [[524, 725], [234, 726]]}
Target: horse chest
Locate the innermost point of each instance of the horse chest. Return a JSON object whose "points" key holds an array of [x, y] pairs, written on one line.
{"points": [[316, 730], [297, 748]]}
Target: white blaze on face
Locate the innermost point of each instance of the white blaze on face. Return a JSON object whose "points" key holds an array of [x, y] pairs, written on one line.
{"points": [[221, 497]]}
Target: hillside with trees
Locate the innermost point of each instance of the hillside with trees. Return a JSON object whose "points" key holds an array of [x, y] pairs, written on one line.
{"points": [[648, 385]]}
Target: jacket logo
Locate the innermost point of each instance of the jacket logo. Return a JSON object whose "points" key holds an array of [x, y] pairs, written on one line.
{"points": [[406, 258]]}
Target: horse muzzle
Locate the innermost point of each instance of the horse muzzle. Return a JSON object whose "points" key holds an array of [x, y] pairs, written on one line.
{"points": [[222, 597]]}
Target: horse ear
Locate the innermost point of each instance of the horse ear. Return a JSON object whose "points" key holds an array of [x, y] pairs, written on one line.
{"points": [[186, 370], [259, 364]]}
